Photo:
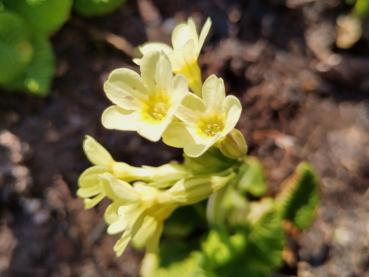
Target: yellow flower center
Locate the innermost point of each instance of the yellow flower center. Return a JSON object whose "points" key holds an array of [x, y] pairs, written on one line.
{"points": [[156, 107], [211, 125]]}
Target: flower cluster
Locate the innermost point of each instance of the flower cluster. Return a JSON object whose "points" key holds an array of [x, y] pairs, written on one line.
{"points": [[167, 101]]}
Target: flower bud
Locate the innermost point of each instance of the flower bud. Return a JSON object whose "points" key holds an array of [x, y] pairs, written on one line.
{"points": [[233, 145]]}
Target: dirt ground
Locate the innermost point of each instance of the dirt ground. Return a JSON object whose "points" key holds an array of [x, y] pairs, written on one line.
{"points": [[302, 100]]}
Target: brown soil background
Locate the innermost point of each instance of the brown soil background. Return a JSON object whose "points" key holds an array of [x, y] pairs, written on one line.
{"points": [[302, 100]]}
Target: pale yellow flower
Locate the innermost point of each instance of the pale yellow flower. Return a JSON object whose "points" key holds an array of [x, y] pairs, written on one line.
{"points": [[185, 50], [93, 187], [204, 122], [139, 211], [139, 214], [145, 103]]}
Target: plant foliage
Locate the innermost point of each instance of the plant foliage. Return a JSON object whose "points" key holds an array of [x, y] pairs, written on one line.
{"points": [[96, 7], [299, 198], [27, 61], [16, 50]]}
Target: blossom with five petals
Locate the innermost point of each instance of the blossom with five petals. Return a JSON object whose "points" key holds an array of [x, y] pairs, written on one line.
{"points": [[204, 121], [145, 103]]}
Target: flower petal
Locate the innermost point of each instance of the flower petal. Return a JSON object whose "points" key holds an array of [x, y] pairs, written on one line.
{"points": [[118, 118], [163, 73], [96, 153], [122, 190], [127, 217], [111, 213], [122, 243], [92, 202], [195, 150], [91, 176], [87, 192], [156, 70], [154, 47], [233, 109], [190, 54], [204, 32], [145, 232], [180, 35], [213, 93], [191, 108], [152, 245], [154, 131], [176, 135], [179, 88], [125, 88]]}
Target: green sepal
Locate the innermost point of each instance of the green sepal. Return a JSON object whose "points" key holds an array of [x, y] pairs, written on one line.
{"points": [[211, 161]]}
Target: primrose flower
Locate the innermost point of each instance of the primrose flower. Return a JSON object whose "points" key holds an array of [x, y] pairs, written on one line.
{"points": [[204, 122], [139, 211], [93, 187], [187, 44], [139, 214], [145, 103]]}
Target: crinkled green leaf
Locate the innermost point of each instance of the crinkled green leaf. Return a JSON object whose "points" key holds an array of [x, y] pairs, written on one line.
{"points": [[176, 259], [96, 7], [266, 237], [44, 16], [251, 178], [254, 250], [37, 77], [15, 46], [299, 198]]}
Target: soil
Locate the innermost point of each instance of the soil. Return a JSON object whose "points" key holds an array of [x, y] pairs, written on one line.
{"points": [[303, 99]]}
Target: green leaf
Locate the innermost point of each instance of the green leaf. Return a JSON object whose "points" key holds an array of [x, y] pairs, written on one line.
{"points": [[176, 259], [265, 238], [44, 16], [37, 77], [251, 178], [361, 7], [96, 7], [299, 198], [15, 46], [254, 250]]}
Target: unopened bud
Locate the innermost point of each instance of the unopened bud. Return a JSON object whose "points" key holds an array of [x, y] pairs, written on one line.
{"points": [[233, 145]]}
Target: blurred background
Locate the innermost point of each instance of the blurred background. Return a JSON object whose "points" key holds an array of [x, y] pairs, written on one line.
{"points": [[301, 70]]}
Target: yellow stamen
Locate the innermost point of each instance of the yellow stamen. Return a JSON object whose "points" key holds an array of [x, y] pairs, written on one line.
{"points": [[156, 107], [211, 125]]}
